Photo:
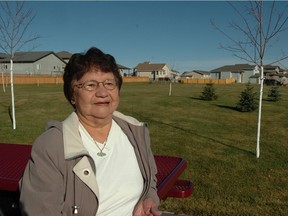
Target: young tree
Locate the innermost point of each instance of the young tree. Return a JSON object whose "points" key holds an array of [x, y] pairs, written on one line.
{"points": [[248, 100], [274, 94], [15, 21], [258, 32], [208, 92]]}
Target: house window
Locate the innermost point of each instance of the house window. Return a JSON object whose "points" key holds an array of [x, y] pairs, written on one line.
{"points": [[38, 66], [4, 66]]}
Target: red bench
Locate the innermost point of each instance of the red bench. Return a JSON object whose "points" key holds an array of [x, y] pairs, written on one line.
{"points": [[14, 157], [169, 184]]}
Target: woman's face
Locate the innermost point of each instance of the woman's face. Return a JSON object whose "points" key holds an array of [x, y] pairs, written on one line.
{"points": [[99, 103]]}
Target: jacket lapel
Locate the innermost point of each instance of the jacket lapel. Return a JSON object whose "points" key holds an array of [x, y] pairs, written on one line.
{"points": [[84, 171]]}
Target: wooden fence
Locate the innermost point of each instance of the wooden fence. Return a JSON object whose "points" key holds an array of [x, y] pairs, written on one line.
{"points": [[48, 79], [205, 81], [42, 79]]}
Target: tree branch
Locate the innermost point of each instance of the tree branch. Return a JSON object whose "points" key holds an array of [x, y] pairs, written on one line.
{"points": [[15, 21]]}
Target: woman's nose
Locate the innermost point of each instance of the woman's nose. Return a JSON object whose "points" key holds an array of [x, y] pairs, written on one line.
{"points": [[101, 91]]}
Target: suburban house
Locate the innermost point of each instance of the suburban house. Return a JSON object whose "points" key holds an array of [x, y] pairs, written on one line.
{"points": [[272, 72], [175, 74], [41, 63], [196, 74], [275, 75], [34, 63], [244, 73], [240, 72], [124, 71], [155, 71], [64, 55], [2, 55]]}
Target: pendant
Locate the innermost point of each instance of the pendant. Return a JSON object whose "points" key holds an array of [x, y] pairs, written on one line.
{"points": [[101, 154]]}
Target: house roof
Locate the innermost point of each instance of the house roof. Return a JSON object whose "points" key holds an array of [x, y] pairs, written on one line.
{"points": [[29, 57], [234, 68], [67, 55], [241, 67], [271, 67], [187, 74], [123, 67], [147, 66], [64, 54], [190, 73], [175, 71], [3, 55], [201, 72]]}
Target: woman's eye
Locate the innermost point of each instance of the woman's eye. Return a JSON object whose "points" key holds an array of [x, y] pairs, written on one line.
{"points": [[91, 85]]}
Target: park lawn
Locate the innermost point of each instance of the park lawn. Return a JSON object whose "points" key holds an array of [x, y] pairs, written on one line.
{"points": [[217, 141]]}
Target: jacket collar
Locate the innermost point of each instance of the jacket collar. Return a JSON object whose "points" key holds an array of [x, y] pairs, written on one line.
{"points": [[73, 146]]}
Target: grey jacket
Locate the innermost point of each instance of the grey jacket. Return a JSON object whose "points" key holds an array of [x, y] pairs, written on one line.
{"points": [[60, 176]]}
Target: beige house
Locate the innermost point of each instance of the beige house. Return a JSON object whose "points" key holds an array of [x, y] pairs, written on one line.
{"points": [[155, 71]]}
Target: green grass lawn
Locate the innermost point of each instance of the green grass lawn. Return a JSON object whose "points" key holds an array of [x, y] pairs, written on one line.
{"points": [[217, 141]]}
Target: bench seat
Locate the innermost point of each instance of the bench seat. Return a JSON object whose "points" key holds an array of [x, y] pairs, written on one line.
{"points": [[181, 189]]}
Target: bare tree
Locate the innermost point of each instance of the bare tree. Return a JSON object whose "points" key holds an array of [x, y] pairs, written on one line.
{"points": [[15, 21], [258, 32]]}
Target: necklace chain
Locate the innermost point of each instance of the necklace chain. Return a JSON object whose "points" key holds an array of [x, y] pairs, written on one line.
{"points": [[101, 153]]}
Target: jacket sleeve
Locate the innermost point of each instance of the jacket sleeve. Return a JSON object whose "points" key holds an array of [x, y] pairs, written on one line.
{"points": [[153, 186], [42, 185]]}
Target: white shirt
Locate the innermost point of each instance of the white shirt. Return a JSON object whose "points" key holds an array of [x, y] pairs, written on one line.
{"points": [[117, 173]]}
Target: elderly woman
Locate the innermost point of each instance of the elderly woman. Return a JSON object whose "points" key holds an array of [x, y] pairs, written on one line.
{"points": [[97, 161]]}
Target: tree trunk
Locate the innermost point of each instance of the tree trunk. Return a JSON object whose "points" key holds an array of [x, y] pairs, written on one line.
{"points": [[259, 112], [12, 95]]}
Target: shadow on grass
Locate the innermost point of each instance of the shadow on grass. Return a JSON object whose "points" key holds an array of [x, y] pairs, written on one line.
{"points": [[221, 106], [228, 107], [10, 113], [9, 109], [270, 100], [196, 98], [199, 135]]}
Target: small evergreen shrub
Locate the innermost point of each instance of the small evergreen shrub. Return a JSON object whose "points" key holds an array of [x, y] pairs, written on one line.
{"points": [[208, 93], [274, 94], [248, 100]]}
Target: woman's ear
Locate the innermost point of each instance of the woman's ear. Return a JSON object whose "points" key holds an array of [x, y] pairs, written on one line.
{"points": [[73, 101]]}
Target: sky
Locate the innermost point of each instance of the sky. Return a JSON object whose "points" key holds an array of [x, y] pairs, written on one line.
{"points": [[178, 33]]}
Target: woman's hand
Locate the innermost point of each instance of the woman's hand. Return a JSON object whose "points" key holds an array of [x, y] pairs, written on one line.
{"points": [[147, 207]]}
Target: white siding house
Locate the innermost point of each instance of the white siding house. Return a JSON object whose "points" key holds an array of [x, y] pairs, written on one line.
{"points": [[196, 74], [245, 73], [240, 72]]}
